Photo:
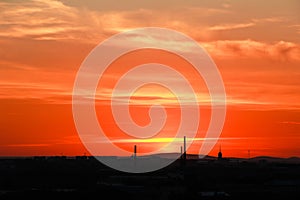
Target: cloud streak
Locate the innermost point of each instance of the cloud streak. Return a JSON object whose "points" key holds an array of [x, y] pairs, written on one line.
{"points": [[281, 50], [230, 26], [43, 20], [290, 123]]}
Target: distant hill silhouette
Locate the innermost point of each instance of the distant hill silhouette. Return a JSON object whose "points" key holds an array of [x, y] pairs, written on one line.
{"points": [[275, 159], [177, 155], [207, 157]]}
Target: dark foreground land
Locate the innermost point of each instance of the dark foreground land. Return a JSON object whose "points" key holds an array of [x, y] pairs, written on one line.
{"points": [[86, 178]]}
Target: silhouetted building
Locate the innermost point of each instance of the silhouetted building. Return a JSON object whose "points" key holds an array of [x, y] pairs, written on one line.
{"points": [[220, 155], [81, 157]]}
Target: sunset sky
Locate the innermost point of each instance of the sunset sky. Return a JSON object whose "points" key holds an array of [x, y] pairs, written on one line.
{"points": [[255, 44]]}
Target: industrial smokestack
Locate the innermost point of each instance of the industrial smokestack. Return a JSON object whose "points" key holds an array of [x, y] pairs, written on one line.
{"points": [[181, 151], [134, 151], [184, 148]]}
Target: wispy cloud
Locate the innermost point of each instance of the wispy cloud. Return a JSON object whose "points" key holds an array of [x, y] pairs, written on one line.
{"points": [[296, 26], [230, 26], [28, 145], [56, 20], [281, 50], [251, 23], [290, 122], [90, 22], [42, 20], [269, 19]]}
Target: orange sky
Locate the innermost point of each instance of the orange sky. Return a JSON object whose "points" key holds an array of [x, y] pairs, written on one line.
{"points": [[255, 46]]}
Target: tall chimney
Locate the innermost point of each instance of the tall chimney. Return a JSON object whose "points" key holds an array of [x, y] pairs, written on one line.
{"points": [[184, 148], [181, 153], [134, 151]]}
